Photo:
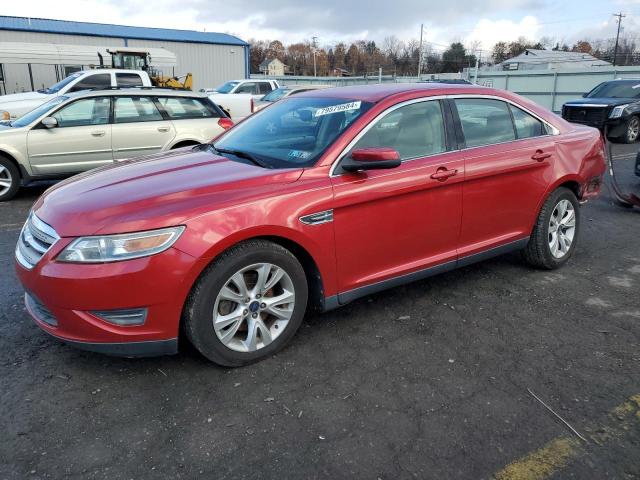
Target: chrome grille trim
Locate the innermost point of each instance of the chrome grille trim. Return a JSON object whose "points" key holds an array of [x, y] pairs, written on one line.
{"points": [[36, 238]]}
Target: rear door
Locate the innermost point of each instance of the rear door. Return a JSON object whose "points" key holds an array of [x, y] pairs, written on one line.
{"points": [[81, 141], [390, 223], [139, 128], [509, 158], [193, 118]]}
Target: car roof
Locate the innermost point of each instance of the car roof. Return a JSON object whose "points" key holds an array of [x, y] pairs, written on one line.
{"points": [[379, 91], [142, 91]]}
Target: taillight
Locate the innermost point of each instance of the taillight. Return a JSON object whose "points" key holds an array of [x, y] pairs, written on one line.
{"points": [[225, 123]]}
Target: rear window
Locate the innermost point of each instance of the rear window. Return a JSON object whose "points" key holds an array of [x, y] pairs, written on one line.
{"points": [[182, 108], [485, 121], [128, 80], [135, 109]]}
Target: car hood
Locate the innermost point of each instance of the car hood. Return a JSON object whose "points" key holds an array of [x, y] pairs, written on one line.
{"points": [[601, 101], [155, 191], [22, 97]]}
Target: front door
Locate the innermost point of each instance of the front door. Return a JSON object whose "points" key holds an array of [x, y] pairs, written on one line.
{"points": [[508, 165], [139, 128], [80, 141], [397, 222]]}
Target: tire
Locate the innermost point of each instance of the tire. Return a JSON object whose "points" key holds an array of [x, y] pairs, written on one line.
{"points": [[9, 179], [184, 144], [230, 343], [539, 252], [632, 130]]}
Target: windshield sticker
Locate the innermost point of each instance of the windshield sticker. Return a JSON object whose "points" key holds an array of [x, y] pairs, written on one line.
{"points": [[344, 107], [299, 154]]}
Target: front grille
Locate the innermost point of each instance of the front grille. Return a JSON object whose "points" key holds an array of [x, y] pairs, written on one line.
{"points": [[39, 310], [36, 238], [594, 116]]}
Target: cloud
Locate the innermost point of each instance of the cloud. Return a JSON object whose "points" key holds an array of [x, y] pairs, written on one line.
{"points": [[488, 32]]}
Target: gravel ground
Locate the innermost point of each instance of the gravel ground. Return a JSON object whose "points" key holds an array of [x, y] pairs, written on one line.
{"points": [[424, 381]]}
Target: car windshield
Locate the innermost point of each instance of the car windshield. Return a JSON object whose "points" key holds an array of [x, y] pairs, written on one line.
{"points": [[61, 84], [37, 112], [276, 95], [227, 87], [616, 90], [292, 133]]}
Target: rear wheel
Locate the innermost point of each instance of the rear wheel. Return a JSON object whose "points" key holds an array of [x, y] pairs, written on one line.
{"points": [[554, 235], [9, 179], [248, 304]]}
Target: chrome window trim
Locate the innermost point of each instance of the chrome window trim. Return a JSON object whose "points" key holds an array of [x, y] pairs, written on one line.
{"points": [[554, 131], [373, 122], [585, 105]]}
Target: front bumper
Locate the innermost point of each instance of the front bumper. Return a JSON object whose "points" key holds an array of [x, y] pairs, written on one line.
{"points": [[61, 296]]}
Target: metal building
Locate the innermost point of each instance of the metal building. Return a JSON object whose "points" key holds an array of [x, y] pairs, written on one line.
{"points": [[212, 58]]}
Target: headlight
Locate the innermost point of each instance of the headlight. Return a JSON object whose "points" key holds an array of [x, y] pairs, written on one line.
{"points": [[115, 248], [617, 111], [4, 115]]}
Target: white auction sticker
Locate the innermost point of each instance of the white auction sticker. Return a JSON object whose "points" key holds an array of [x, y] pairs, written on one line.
{"points": [[344, 107]]}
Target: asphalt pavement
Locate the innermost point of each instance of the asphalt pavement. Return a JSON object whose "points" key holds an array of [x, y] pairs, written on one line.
{"points": [[434, 380]]}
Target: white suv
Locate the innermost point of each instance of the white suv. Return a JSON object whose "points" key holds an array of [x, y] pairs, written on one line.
{"points": [[76, 132]]}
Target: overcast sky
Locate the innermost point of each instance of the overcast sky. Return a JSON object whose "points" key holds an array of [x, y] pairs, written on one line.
{"points": [[346, 20]]}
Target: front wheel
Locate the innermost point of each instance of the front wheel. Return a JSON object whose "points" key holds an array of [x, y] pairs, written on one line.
{"points": [[554, 235], [9, 179], [632, 130], [247, 304]]}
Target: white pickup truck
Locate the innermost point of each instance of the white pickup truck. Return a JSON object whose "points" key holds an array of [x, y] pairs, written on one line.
{"points": [[15, 105], [237, 97]]}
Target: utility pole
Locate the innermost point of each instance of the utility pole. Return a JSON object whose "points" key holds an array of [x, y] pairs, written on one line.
{"points": [[315, 46], [420, 52], [615, 50], [475, 80]]}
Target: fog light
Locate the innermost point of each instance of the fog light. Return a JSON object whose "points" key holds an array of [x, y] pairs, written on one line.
{"points": [[124, 318]]}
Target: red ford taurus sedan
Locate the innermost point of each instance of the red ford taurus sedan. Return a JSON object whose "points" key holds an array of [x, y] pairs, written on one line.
{"points": [[313, 202]]}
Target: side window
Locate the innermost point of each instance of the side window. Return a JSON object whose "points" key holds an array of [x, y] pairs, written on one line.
{"points": [[264, 87], [93, 82], [415, 130], [526, 125], [181, 107], [248, 87], [485, 121], [89, 111], [128, 80], [135, 109]]}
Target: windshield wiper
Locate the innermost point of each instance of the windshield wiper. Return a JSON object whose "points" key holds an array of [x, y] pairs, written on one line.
{"points": [[241, 154]]}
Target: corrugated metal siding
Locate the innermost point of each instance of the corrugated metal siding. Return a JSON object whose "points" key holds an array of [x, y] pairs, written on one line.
{"points": [[211, 65], [122, 31]]}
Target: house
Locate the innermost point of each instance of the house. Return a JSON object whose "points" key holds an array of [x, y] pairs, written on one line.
{"points": [[272, 67], [340, 72], [533, 59]]}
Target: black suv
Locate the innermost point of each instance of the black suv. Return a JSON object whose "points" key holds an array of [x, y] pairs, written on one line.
{"points": [[615, 103]]}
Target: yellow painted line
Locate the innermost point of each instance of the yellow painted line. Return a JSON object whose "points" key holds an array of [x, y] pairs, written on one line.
{"points": [[541, 463], [559, 452]]}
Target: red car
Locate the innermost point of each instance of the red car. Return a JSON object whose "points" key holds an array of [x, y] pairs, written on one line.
{"points": [[319, 199]]}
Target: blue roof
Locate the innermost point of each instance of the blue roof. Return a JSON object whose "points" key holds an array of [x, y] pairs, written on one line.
{"points": [[65, 27]]}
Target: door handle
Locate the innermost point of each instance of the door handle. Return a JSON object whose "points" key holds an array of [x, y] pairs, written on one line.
{"points": [[98, 133], [443, 173], [163, 129], [540, 156]]}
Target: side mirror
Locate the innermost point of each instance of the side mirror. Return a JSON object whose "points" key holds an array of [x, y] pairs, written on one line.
{"points": [[372, 158], [49, 122]]}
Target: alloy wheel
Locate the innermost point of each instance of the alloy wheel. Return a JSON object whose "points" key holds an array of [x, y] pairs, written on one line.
{"points": [[562, 228], [254, 307], [633, 129], [5, 180]]}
